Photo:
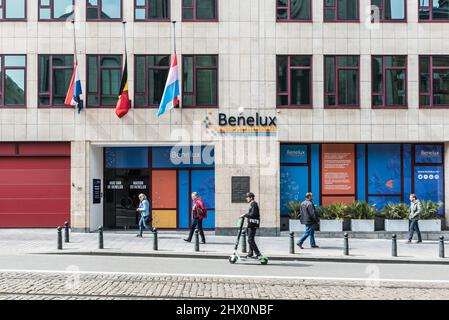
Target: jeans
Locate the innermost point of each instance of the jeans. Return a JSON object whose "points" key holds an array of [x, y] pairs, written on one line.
{"points": [[252, 242], [143, 225], [310, 232], [195, 223], [412, 227]]}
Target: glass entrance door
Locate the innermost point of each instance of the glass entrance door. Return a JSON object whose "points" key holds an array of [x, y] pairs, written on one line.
{"points": [[122, 188]]}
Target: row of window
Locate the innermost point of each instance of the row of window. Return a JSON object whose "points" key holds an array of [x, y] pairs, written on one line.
{"points": [[207, 10], [200, 80]]}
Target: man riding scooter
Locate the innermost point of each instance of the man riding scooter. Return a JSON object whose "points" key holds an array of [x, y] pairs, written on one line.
{"points": [[253, 217]]}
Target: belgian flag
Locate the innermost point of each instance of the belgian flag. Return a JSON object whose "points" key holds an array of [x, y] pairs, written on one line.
{"points": [[123, 104]]}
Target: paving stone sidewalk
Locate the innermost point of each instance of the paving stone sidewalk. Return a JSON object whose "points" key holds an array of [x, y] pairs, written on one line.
{"points": [[23, 241]]}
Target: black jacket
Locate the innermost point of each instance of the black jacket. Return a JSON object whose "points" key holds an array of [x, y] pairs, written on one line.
{"points": [[253, 215], [308, 213]]}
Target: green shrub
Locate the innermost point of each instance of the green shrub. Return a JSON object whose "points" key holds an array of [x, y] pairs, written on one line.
{"points": [[396, 211], [430, 210], [333, 212], [361, 210], [295, 209]]}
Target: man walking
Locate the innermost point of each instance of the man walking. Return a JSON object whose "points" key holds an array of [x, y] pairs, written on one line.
{"points": [[199, 213], [310, 219], [415, 213], [253, 217]]}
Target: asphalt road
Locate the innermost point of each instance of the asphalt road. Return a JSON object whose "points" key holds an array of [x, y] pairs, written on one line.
{"points": [[205, 267]]}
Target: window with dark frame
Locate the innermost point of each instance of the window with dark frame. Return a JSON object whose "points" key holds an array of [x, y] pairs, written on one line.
{"points": [[294, 81], [104, 73], [56, 9], [294, 10], [150, 79], [200, 81], [341, 81], [152, 10], [103, 10], [13, 81], [389, 81], [200, 10], [391, 10], [434, 81], [13, 9], [341, 10], [55, 74], [430, 10]]}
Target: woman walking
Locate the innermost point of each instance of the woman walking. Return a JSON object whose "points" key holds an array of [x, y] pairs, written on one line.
{"points": [[198, 214], [145, 218]]}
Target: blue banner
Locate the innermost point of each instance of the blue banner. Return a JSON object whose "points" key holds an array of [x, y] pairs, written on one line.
{"points": [[428, 153], [384, 169], [429, 183], [294, 185], [183, 157], [294, 153]]}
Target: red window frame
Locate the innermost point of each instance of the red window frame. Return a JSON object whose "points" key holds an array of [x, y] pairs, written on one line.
{"points": [[147, 11], [99, 9], [288, 93], [194, 12], [335, 93], [3, 10], [382, 13], [147, 79], [3, 76], [194, 93], [290, 19], [430, 8], [49, 94], [99, 79], [430, 93], [383, 93], [52, 9], [335, 8]]}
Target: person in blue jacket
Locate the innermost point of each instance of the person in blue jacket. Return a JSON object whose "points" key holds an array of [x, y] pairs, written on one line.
{"points": [[145, 217]]}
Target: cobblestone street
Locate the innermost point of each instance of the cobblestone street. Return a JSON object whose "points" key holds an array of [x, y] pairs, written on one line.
{"points": [[95, 286]]}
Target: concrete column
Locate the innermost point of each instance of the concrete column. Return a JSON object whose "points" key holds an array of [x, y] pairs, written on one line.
{"points": [[80, 186]]}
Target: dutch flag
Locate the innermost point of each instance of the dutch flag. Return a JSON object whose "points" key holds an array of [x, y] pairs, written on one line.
{"points": [[170, 98], [73, 97]]}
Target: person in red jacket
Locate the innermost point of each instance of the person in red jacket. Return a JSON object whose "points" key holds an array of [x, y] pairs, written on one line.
{"points": [[198, 214]]}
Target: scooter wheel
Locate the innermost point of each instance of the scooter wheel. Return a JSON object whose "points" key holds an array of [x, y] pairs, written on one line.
{"points": [[264, 261], [232, 259]]}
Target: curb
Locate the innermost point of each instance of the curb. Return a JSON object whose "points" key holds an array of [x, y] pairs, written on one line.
{"points": [[296, 257]]}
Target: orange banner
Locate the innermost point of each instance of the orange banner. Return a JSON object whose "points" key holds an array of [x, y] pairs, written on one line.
{"points": [[338, 169]]}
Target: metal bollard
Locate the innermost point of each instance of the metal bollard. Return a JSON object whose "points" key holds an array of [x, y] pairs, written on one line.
{"points": [[197, 241], [100, 238], [244, 249], [66, 232], [292, 243], [59, 229], [394, 245], [155, 245], [346, 244], [441, 247]]}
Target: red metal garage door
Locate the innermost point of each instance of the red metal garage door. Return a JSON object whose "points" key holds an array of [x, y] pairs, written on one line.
{"points": [[34, 185]]}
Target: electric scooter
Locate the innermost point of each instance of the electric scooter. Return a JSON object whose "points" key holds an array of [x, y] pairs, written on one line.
{"points": [[235, 255]]}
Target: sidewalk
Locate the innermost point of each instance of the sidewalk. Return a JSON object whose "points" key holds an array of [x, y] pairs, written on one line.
{"points": [[171, 244]]}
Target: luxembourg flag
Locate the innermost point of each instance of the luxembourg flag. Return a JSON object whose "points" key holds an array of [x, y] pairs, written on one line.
{"points": [[73, 97], [170, 98]]}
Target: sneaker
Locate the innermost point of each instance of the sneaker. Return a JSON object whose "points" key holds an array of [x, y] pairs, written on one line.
{"points": [[203, 242], [300, 246], [419, 241], [315, 246], [139, 236], [187, 240]]}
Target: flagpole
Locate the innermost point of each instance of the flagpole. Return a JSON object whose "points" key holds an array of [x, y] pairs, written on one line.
{"points": [[74, 42], [174, 47], [124, 37]]}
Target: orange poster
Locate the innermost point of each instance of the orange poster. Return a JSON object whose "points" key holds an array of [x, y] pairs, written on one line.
{"points": [[338, 169]]}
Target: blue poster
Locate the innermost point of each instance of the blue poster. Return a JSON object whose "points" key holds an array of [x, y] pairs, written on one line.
{"points": [[294, 153], [429, 153], [183, 157], [294, 185], [384, 169], [380, 201], [429, 183], [126, 158]]}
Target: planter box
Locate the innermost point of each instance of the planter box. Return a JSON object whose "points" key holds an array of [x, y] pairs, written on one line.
{"points": [[396, 225], [296, 226], [433, 225], [362, 225], [331, 225]]}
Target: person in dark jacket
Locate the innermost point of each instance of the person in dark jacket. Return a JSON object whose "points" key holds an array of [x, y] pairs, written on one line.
{"points": [[253, 217], [198, 214], [310, 219], [414, 216]]}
